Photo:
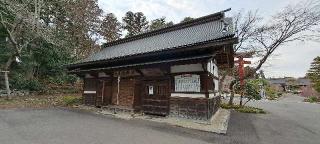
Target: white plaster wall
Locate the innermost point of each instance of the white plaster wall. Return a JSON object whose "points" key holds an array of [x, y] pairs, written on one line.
{"points": [[212, 95], [186, 68], [212, 68], [215, 70], [216, 85]]}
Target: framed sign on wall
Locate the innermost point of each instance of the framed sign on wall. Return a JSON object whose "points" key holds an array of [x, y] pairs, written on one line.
{"points": [[187, 83], [150, 90]]}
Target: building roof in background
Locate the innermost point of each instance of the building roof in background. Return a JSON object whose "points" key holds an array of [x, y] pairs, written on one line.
{"points": [[277, 80], [285, 81], [203, 29], [304, 81]]}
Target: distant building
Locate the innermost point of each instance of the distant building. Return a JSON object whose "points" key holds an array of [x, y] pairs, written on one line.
{"points": [[278, 83], [289, 84], [303, 82]]}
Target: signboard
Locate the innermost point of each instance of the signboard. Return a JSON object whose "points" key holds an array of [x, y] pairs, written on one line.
{"points": [[187, 83], [150, 90], [89, 92]]}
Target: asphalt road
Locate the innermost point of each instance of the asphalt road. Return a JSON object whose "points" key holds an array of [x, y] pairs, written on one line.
{"points": [[289, 121]]}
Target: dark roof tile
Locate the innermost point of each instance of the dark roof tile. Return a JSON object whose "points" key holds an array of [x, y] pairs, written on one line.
{"points": [[173, 39]]}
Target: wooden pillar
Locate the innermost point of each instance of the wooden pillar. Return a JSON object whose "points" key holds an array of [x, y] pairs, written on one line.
{"points": [[205, 84]]}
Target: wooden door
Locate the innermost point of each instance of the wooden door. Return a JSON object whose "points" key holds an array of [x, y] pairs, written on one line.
{"points": [[89, 94], [104, 93], [107, 94], [99, 96], [155, 97]]}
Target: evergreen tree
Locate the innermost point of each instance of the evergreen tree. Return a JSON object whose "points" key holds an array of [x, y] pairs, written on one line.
{"points": [[159, 23], [314, 73], [110, 28], [186, 19], [38, 37], [135, 23]]}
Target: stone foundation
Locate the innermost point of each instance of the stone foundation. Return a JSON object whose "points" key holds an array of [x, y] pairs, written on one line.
{"points": [[194, 108]]}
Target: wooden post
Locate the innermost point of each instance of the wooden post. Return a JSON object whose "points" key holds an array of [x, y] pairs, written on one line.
{"points": [[119, 78], [102, 93]]}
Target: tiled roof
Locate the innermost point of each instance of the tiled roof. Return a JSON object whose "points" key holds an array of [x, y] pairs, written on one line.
{"points": [[180, 35], [277, 81], [303, 81]]}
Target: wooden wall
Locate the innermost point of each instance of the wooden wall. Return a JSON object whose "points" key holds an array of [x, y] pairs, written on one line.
{"points": [[90, 84], [126, 92], [194, 108]]}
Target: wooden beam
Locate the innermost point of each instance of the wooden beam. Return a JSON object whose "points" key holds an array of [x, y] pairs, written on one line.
{"points": [[140, 72]]}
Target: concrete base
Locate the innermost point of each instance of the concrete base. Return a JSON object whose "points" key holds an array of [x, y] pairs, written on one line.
{"points": [[217, 124]]}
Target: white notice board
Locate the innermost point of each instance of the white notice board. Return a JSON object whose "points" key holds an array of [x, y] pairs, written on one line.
{"points": [[187, 83]]}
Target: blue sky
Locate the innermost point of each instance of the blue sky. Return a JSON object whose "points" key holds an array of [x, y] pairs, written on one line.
{"points": [[292, 59]]}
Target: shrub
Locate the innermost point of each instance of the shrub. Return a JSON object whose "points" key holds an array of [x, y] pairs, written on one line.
{"points": [[227, 106], [271, 93], [295, 92], [316, 86], [19, 82], [312, 99], [33, 85], [71, 100]]}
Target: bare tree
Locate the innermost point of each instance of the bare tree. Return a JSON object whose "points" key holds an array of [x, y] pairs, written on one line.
{"points": [[245, 24], [298, 22], [295, 23]]}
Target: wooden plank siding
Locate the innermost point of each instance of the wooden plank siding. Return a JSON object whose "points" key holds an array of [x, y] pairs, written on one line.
{"points": [[158, 102], [90, 84]]}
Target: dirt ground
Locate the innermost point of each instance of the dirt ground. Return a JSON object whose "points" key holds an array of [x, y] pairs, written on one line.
{"points": [[34, 101]]}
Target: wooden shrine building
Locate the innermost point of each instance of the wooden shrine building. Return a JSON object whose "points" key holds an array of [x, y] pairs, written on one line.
{"points": [[171, 71]]}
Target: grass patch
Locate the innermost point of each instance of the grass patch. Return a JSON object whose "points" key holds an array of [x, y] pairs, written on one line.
{"points": [[71, 100], [248, 109], [243, 109], [312, 99], [227, 106]]}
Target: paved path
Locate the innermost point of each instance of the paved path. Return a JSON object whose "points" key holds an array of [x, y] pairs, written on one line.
{"points": [[288, 122]]}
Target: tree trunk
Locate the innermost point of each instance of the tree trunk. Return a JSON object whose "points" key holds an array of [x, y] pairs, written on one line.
{"points": [[232, 93], [231, 97], [6, 76], [241, 97], [221, 82], [6, 81]]}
